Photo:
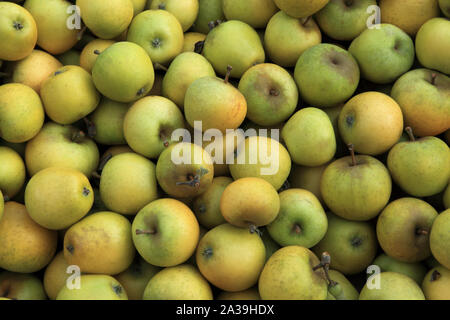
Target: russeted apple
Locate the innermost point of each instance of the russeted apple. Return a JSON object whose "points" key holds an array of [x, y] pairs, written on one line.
{"points": [[293, 273], [159, 33], [326, 75], [424, 97], [182, 282], [22, 113], [286, 38], [184, 170], [436, 284], [185, 11], [61, 146], [344, 19], [301, 220], [101, 243], [165, 232], [356, 187], [394, 53], [352, 245], [231, 258], [403, 229], [233, 43], [19, 286], [18, 33], [94, 287], [392, 286], [249, 203]]}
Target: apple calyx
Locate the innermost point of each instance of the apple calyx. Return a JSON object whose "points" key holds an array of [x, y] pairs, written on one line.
{"points": [[351, 148], [17, 25], [139, 231], [193, 180], [208, 252], [252, 228], [435, 275], [91, 128], [227, 76], [86, 191], [410, 133], [117, 289], [70, 248], [156, 43], [97, 52], [274, 92], [348, 3], [325, 261], [202, 208], [78, 136]]}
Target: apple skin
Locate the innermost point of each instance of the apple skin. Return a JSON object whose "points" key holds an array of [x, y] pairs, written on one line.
{"points": [[326, 75], [20, 286], [433, 45], [440, 239], [342, 21], [393, 286], [415, 271], [398, 229], [421, 167], [301, 220], [424, 97], [383, 54], [300, 9], [286, 38], [436, 284], [356, 192]]}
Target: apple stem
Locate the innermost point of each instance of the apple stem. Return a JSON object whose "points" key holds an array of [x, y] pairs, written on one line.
{"points": [[297, 229], [435, 275], [138, 231], [433, 78], [410, 133], [70, 248], [421, 231], [91, 128], [227, 76], [77, 136], [254, 229], [306, 20], [105, 159], [325, 261], [159, 66], [351, 148], [96, 175]]}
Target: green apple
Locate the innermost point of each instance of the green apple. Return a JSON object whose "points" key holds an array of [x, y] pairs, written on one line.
{"points": [[107, 19], [159, 33], [182, 282], [372, 122], [63, 146], [207, 205], [403, 229], [128, 183], [184, 170], [94, 287], [136, 277], [208, 10], [392, 286], [12, 172], [149, 123], [290, 274], [21, 286], [165, 232], [233, 43], [264, 158], [342, 289], [326, 75], [424, 97], [270, 92], [383, 53], [301, 220], [307, 178], [183, 71], [185, 11], [302, 8], [420, 167], [436, 284], [256, 13], [309, 137], [351, 244], [344, 19], [286, 38], [445, 7], [415, 271], [123, 72], [433, 45], [440, 239], [108, 120]]}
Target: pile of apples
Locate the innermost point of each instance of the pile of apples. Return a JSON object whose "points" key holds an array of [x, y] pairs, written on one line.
{"points": [[349, 100]]}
